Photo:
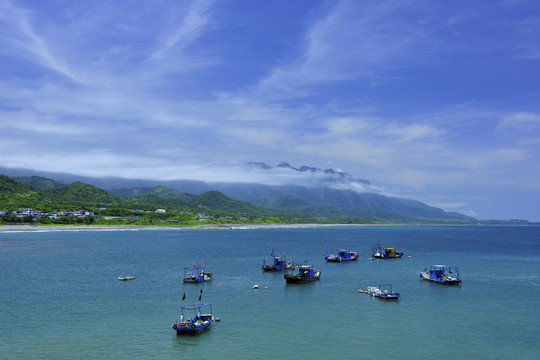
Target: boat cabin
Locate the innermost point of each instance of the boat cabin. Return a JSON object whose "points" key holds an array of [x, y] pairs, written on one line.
{"points": [[390, 252], [306, 271], [439, 271], [279, 261], [385, 253], [436, 271]]}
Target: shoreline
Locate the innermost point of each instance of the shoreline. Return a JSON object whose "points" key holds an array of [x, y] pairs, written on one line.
{"points": [[36, 228], [41, 228]]}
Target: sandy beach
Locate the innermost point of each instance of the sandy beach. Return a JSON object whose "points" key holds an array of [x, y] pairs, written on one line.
{"points": [[37, 228]]}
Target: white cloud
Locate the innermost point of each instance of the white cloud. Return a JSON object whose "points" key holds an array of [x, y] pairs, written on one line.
{"points": [[520, 120], [29, 123], [527, 42], [349, 126], [351, 42], [29, 45], [191, 27], [414, 132]]}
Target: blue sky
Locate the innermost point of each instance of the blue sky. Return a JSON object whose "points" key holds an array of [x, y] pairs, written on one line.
{"points": [[437, 101]]}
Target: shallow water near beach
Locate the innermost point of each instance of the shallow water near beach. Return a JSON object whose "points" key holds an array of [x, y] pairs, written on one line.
{"points": [[60, 297]]}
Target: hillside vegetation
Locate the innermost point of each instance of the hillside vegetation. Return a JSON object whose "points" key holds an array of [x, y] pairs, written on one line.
{"points": [[141, 208], [139, 204], [41, 183]]}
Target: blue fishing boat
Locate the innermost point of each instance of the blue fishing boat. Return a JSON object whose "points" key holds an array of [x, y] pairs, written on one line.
{"points": [[306, 273], [379, 252], [440, 274], [276, 263], [383, 292], [195, 323], [333, 255], [196, 274]]}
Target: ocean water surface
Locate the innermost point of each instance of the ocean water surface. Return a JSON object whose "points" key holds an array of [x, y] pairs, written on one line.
{"points": [[60, 297]]}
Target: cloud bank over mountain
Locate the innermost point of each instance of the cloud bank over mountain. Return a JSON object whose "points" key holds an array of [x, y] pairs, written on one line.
{"points": [[312, 176]]}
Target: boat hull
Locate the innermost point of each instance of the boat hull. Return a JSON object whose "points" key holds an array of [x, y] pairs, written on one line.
{"points": [[397, 256], [296, 279], [340, 259], [196, 280], [190, 330], [271, 268], [387, 296], [196, 324]]}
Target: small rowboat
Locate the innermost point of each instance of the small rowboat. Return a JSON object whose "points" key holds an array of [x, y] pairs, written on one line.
{"points": [[126, 278]]}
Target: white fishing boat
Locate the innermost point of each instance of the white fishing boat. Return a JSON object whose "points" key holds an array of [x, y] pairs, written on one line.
{"points": [[126, 278]]}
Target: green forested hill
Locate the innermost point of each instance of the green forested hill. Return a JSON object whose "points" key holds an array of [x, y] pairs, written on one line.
{"points": [[166, 198], [344, 206], [83, 195], [41, 183], [153, 201], [9, 185], [160, 191], [15, 194], [216, 201]]}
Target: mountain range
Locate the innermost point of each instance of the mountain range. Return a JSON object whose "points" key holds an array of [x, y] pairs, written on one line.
{"points": [[317, 200]]}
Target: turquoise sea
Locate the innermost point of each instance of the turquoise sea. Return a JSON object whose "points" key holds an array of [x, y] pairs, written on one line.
{"points": [[60, 297]]}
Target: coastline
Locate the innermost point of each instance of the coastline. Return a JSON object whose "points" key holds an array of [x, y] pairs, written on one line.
{"points": [[37, 228], [42, 228]]}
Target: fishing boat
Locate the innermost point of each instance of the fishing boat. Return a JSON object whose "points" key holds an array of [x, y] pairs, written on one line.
{"points": [[379, 252], [440, 274], [333, 255], [196, 322], [383, 292], [306, 273], [126, 278], [276, 263], [196, 274]]}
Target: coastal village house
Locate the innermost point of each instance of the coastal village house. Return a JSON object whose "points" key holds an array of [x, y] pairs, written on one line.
{"points": [[39, 213]]}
